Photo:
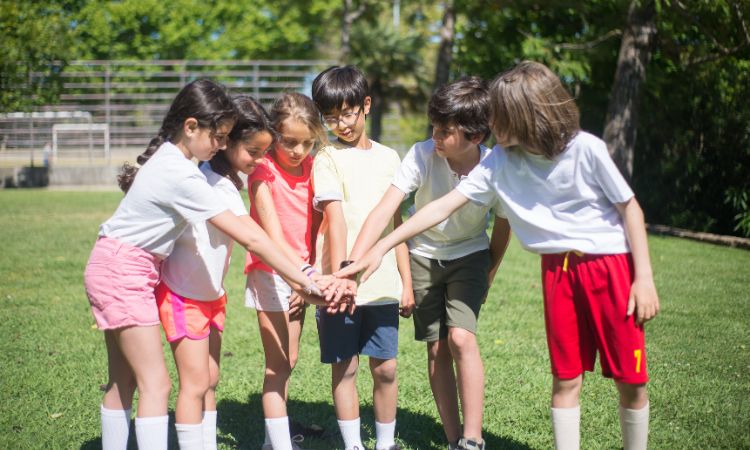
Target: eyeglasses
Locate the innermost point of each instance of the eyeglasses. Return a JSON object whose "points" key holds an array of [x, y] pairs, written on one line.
{"points": [[349, 119]]}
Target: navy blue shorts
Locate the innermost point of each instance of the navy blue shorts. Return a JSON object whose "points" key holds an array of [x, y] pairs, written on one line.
{"points": [[371, 331]]}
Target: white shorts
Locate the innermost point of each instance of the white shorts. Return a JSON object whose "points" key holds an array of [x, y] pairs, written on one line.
{"points": [[266, 291]]}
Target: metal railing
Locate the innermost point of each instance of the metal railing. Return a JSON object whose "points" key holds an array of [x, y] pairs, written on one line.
{"points": [[129, 99]]}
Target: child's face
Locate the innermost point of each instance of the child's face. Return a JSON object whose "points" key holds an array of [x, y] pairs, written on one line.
{"points": [[348, 123], [203, 142], [451, 143], [245, 155], [295, 143]]}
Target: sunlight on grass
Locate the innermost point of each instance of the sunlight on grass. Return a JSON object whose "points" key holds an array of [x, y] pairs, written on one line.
{"points": [[54, 362]]}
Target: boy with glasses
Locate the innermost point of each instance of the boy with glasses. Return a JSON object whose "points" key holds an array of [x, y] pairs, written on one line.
{"points": [[453, 263], [349, 177]]}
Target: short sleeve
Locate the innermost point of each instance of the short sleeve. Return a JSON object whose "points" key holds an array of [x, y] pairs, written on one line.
{"points": [[478, 186], [261, 174], [608, 176], [408, 176], [232, 197], [327, 184], [194, 199]]}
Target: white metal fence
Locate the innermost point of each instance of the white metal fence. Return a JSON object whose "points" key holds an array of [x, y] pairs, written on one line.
{"points": [[109, 110]]}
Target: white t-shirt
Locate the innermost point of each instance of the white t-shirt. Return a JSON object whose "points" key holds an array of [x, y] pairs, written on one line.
{"points": [[168, 193], [558, 205], [196, 267], [461, 234], [359, 178]]}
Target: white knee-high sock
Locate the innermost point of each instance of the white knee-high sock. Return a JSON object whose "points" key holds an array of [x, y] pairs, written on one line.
{"points": [[277, 430], [190, 436], [385, 434], [151, 432], [209, 430], [115, 428], [634, 425], [566, 424], [350, 433]]}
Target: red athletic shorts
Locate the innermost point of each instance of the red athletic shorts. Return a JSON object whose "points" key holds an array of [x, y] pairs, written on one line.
{"points": [[185, 317], [585, 307]]}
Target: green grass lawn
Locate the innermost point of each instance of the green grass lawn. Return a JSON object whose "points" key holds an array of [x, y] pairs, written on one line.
{"points": [[53, 361]]}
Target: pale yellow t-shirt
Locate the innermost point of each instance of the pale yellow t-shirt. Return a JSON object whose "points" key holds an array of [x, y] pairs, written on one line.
{"points": [[359, 178]]}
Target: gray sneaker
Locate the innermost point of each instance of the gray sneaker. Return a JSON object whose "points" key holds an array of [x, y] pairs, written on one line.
{"points": [[469, 444]]}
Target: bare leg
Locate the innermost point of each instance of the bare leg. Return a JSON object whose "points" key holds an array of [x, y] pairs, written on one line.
{"points": [[121, 383], [634, 415], [274, 333], [214, 358], [385, 389], [344, 386], [141, 347], [470, 376], [191, 357], [443, 384]]}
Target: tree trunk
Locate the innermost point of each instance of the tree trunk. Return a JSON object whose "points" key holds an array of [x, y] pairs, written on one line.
{"points": [[621, 124], [377, 110], [445, 50], [348, 17]]}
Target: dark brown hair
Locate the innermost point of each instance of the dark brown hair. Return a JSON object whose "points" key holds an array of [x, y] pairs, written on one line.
{"points": [[339, 85], [464, 103], [204, 100], [530, 105], [252, 118]]}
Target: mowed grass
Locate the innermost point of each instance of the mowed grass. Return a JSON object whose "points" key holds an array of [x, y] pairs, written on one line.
{"points": [[53, 361]]}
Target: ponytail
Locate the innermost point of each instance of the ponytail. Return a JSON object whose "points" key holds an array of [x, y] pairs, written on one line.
{"points": [[204, 100]]}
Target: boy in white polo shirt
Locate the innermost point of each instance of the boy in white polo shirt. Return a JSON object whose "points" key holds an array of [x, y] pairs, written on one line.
{"points": [[349, 177], [452, 263]]}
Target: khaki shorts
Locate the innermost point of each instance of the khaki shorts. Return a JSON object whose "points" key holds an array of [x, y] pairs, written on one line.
{"points": [[448, 293]]}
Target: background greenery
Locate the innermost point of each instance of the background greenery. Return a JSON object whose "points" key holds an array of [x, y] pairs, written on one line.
{"points": [[692, 155], [53, 361]]}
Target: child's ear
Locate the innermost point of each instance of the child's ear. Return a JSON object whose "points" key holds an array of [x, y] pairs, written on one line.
{"points": [[366, 105], [190, 126]]}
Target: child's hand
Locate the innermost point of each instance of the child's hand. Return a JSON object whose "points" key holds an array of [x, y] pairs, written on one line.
{"points": [[369, 263], [643, 300], [296, 306], [345, 299], [407, 303]]}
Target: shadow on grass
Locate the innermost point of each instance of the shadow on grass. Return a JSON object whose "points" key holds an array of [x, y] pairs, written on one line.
{"points": [[241, 426]]}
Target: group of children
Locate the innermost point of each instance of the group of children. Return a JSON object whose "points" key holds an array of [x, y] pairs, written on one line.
{"points": [[163, 255]]}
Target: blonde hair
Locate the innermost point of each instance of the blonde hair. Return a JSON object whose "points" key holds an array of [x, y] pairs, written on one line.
{"points": [[299, 107], [529, 104]]}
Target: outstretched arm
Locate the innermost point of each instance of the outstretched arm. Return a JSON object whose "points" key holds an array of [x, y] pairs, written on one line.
{"points": [[377, 220], [252, 237], [644, 300], [428, 216]]}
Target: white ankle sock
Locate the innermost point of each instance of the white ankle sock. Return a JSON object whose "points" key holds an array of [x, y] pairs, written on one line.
{"points": [[634, 425], [151, 432], [350, 433], [277, 430], [115, 428], [209, 430], [385, 434], [566, 424], [189, 436]]}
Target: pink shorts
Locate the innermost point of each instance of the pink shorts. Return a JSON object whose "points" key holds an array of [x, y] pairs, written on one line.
{"points": [[120, 281], [185, 317], [585, 307]]}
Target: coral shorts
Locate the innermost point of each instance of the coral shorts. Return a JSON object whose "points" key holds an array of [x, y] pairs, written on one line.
{"points": [[120, 280], [184, 317]]}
